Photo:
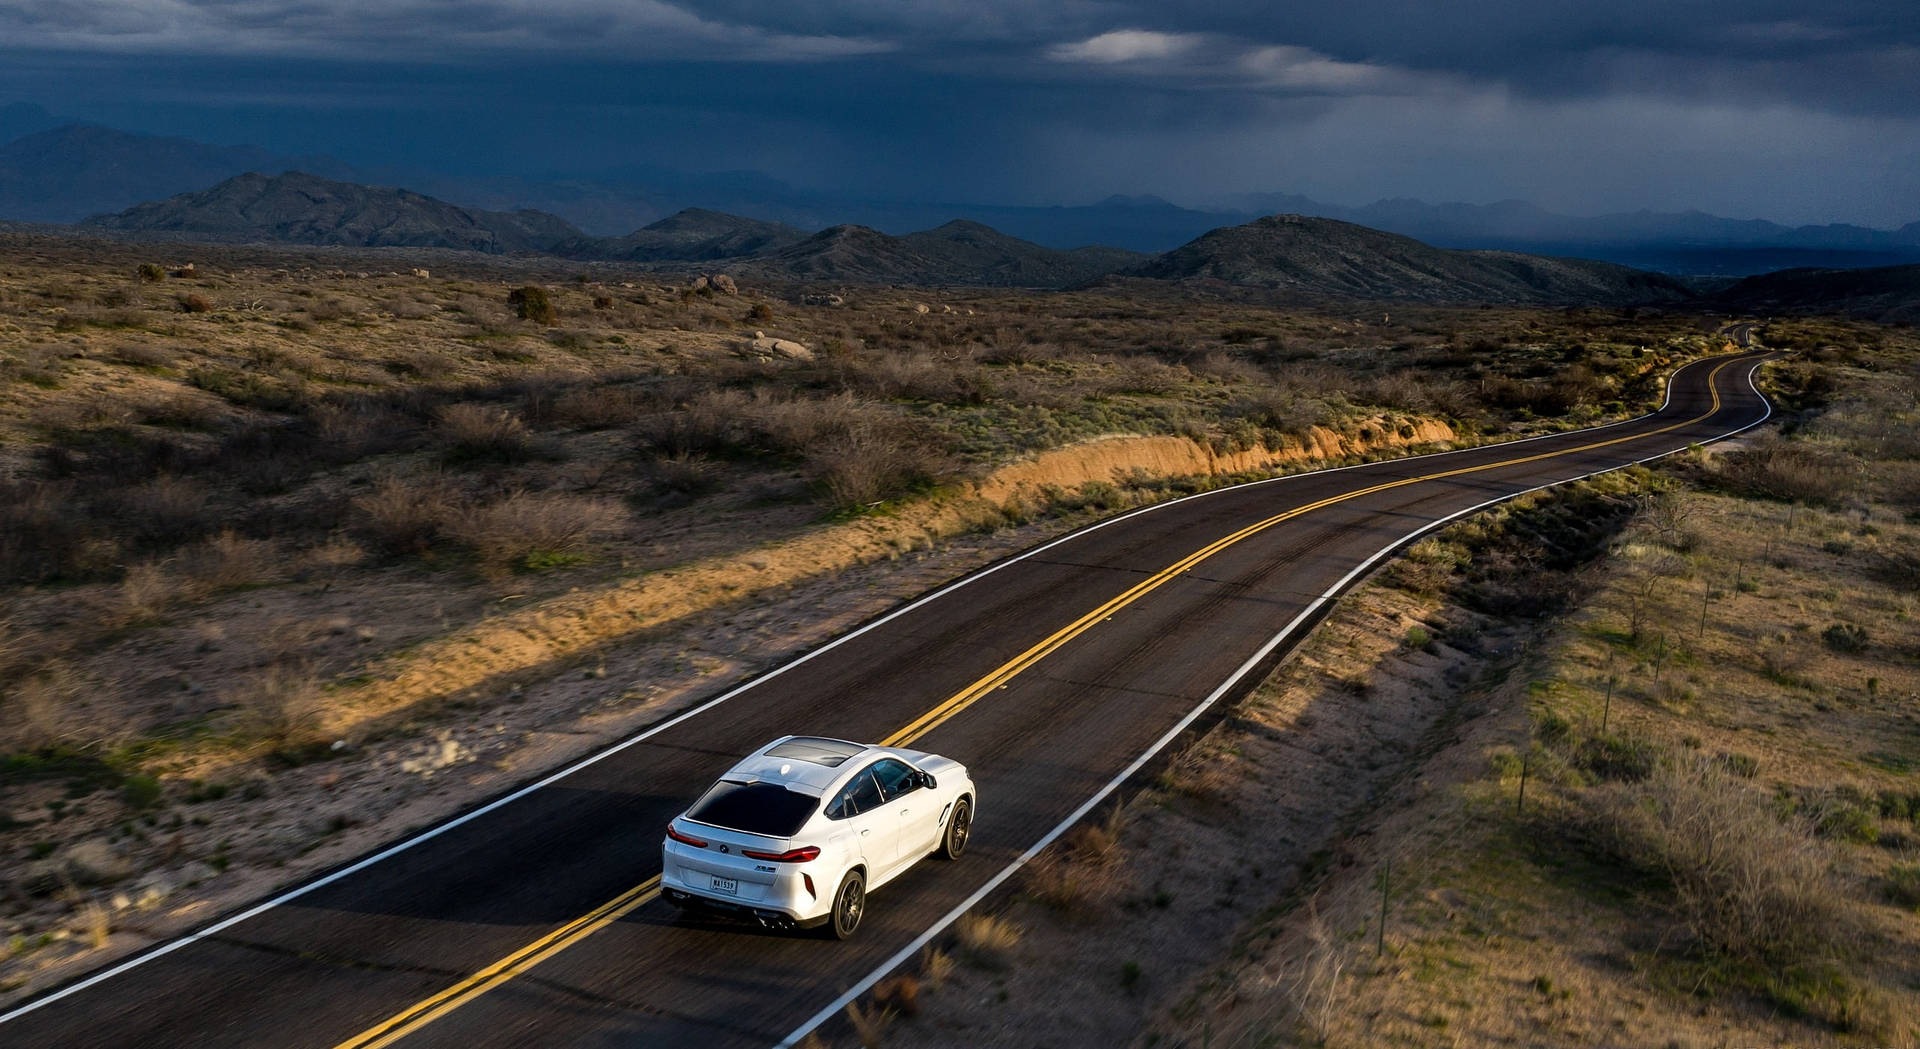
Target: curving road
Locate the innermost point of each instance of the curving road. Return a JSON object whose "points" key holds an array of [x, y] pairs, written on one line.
{"points": [[1054, 675]]}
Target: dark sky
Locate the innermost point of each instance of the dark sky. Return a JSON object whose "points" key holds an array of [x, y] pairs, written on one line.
{"points": [[1793, 111]]}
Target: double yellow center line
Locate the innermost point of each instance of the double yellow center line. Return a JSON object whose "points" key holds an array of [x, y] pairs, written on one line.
{"points": [[428, 1010]]}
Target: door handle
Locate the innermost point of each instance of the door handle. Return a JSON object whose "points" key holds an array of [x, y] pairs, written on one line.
{"points": [[864, 833]]}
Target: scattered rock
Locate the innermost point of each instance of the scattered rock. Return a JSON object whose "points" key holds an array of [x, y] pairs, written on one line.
{"points": [[821, 299], [95, 862], [723, 283], [921, 307], [445, 753], [700, 283], [37, 877], [196, 872], [183, 271], [765, 347], [946, 309], [422, 274]]}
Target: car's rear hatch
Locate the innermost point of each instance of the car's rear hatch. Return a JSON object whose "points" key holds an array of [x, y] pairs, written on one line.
{"points": [[722, 869]]}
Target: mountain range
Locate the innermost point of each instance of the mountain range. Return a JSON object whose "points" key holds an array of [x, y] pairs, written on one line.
{"points": [[66, 173], [1294, 255], [1320, 256]]}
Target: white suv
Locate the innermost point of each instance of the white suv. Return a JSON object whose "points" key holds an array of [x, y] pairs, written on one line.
{"points": [[799, 832]]}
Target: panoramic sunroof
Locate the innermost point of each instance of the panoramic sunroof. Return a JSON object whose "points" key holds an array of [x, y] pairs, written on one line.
{"points": [[828, 752]]}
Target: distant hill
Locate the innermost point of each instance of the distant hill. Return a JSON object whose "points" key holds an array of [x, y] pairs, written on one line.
{"points": [[305, 209], [1890, 293], [959, 252], [693, 235], [1325, 257], [68, 173]]}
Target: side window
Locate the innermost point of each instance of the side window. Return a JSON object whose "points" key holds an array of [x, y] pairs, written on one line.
{"points": [[896, 778], [860, 795]]}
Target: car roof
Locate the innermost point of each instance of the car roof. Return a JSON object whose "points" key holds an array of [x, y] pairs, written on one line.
{"points": [[801, 762], [811, 764]]}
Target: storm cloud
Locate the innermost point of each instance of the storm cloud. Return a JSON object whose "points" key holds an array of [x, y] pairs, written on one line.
{"points": [[1797, 112]]}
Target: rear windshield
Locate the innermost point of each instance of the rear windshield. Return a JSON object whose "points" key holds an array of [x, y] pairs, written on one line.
{"points": [[756, 808]]}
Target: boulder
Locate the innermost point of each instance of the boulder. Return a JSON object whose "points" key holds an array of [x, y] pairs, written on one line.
{"points": [[762, 346], [95, 862], [723, 283], [422, 274], [921, 307], [822, 299]]}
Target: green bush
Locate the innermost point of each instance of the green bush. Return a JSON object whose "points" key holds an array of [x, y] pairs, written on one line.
{"points": [[532, 303], [1845, 637], [141, 791], [1848, 822], [1617, 757], [152, 272]]}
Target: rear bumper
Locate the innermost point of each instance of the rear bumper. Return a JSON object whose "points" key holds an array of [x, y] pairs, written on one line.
{"points": [[766, 916], [778, 896]]}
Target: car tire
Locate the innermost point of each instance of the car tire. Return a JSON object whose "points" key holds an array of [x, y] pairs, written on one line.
{"points": [[959, 830], [849, 906]]}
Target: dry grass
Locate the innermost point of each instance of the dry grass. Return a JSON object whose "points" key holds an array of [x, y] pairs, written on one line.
{"points": [[869, 1023], [936, 965], [986, 939]]}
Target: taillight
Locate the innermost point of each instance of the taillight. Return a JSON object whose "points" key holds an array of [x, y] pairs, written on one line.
{"points": [[789, 856], [685, 839]]}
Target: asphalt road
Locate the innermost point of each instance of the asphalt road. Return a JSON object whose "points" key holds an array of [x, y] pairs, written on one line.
{"points": [[532, 923]]}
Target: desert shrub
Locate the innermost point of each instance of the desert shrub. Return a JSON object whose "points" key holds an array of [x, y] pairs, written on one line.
{"points": [[1849, 638], [682, 479], [181, 411], [1903, 885], [529, 530], [152, 272], [531, 303], [49, 535], [350, 431], [1617, 757], [1791, 470], [230, 560], [195, 304], [597, 407], [144, 595], [141, 791], [1747, 880], [476, 433], [281, 706], [870, 463], [165, 511], [1845, 819], [141, 355], [402, 516], [248, 389]]}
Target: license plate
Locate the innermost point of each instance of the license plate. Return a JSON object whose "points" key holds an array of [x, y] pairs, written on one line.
{"points": [[731, 886]]}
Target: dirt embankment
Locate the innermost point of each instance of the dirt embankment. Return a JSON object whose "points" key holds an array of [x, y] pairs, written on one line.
{"points": [[569, 627]]}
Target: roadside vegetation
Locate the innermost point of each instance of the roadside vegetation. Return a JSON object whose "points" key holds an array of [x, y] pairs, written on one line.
{"points": [[280, 525], [1626, 763]]}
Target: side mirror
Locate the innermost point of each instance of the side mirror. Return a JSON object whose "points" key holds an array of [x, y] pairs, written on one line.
{"points": [[927, 780]]}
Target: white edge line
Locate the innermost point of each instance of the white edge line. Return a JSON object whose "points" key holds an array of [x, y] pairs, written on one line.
{"points": [[1160, 744], [428, 835]]}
